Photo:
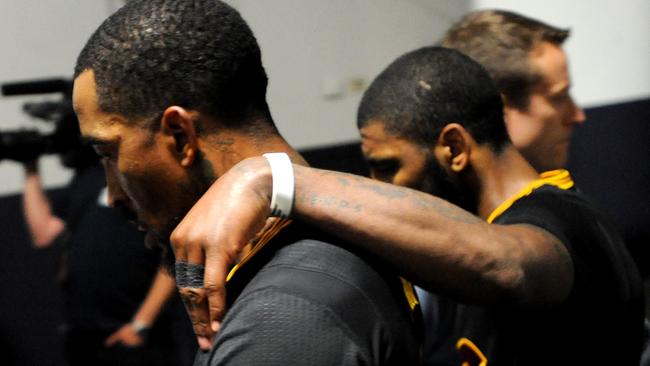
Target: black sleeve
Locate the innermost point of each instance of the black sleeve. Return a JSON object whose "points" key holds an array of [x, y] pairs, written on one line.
{"points": [[545, 209], [597, 251], [274, 327]]}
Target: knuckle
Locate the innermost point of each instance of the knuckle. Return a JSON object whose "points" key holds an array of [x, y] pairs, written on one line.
{"points": [[176, 238], [199, 330], [221, 254], [217, 310], [194, 296], [200, 324], [212, 287], [202, 328]]}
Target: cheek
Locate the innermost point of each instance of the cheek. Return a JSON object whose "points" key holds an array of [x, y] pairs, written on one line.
{"points": [[568, 113], [528, 127], [403, 179], [141, 186], [410, 175], [153, 201]]}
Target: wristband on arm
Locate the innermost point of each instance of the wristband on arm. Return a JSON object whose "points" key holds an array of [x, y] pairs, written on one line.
{"points": [[140, 327], [283, 184]]}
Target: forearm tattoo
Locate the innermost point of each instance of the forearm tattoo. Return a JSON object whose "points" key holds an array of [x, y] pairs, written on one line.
{"points": [[383, 192]]}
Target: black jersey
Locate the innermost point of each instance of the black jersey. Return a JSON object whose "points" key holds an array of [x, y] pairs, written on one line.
{"points": [[601, 321], [302, 301]]}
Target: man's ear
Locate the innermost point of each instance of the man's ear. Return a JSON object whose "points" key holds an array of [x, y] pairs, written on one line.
{"points": [[456, 144], [179, 124]]}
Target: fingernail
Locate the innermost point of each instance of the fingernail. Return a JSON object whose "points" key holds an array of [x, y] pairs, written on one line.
{"points": [[204, 343], [215, 326]]}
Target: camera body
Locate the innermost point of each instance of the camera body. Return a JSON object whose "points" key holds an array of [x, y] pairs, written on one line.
{"points": [[26, 145]]}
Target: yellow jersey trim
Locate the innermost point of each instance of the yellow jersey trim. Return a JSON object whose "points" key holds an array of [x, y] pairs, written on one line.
{"points": [[560, 178], [263, 238], [410, 294], [467, 348]]}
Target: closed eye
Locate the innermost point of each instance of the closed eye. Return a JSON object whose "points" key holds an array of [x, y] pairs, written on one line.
{"points": [[103, 149], [383, 169]]}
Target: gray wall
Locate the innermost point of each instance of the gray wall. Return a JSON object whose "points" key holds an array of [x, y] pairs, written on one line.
{"points": [[320, 54], [41, 39]]}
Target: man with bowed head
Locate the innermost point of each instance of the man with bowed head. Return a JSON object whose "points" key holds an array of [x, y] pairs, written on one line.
{"points": [[171, 95]]}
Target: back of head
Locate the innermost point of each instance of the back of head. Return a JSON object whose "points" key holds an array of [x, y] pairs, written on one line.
{"points": [[198, 54], [426, 89], [501, 41]]}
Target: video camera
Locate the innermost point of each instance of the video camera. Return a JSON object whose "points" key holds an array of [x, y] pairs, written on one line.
{"points": [[28, 144]]}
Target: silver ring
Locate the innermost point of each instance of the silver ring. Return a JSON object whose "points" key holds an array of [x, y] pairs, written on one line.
{"points": [[189, 275]]}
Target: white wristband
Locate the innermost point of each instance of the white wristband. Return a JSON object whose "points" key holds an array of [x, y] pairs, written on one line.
{"points": [[283, 184], [139, 326]]}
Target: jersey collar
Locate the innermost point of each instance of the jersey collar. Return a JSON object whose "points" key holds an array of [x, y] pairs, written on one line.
{"points": [[560, 178], [262, 238]]}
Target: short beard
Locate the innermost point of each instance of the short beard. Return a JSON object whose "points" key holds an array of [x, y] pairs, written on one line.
{"points": [[441, 184], [203, 176]]}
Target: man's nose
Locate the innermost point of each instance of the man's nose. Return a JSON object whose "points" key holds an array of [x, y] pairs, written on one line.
{"points": [[116, 195], [578, 115]]}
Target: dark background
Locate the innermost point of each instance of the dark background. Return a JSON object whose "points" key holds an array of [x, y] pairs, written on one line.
{"points": [[610, 162]]}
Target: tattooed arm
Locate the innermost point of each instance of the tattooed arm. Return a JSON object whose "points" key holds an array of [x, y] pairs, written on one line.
{"points": [[431, 242]]}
